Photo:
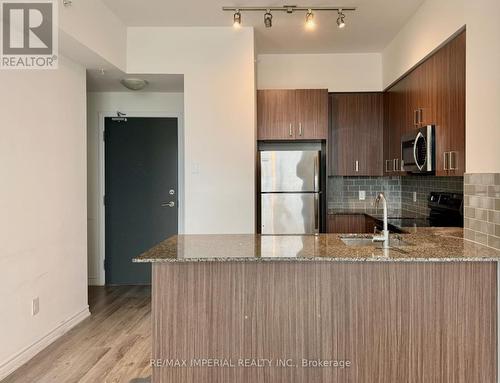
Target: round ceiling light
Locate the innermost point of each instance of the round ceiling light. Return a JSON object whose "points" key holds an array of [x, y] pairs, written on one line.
{"points": [[134, 83]]}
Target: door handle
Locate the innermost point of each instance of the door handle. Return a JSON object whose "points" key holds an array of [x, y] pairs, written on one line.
{"points": [[395, 165], [452, 161], [387, 167], [168, 204], [356, 166]]}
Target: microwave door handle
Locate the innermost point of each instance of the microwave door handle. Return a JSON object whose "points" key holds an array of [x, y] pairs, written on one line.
{"points": [[415, 150]]}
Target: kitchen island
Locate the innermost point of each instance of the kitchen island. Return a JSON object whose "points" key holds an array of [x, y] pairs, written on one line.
{"points": [[250, 308]]}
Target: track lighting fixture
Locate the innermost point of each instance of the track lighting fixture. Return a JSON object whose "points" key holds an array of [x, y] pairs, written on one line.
{"points": [[340, 19], [268, 19], [237, 19], [310, 19], [289, 9], [67, 3]]}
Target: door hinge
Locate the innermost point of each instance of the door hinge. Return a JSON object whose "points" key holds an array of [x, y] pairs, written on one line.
{"points": [[104, 135], [104, 199], [105, 264]]}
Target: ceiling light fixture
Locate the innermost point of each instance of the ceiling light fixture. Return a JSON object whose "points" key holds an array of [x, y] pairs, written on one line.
{"points": [[310, 19], [237, 19], [268, 19], [289, 9], [134, 83], [340, 19]]}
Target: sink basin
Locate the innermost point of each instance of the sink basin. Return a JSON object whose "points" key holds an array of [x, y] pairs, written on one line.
{"points": [[357, 241]]}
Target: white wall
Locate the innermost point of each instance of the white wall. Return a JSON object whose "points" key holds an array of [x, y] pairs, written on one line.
{"points": [[91, 24], [219, 123], [337, 72], [433, 23], [483, 86], [131, 103], [43, 204]]}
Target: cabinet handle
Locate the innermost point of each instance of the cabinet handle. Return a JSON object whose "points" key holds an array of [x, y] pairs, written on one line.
{"points": [[445, 160], [290, 132], [300, 129], [452, 161], [357, 166], [415, 117], [420, 116], [395, 164], [387, 170]]}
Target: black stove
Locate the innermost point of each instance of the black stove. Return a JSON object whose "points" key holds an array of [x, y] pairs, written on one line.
{"points": [[446, 209]]}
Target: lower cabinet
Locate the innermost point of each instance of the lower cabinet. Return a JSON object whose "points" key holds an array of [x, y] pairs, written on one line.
{"points": [[350, 224]]}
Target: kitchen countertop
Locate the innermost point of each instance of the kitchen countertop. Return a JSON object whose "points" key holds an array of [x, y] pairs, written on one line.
{"points": [[423, 244]]}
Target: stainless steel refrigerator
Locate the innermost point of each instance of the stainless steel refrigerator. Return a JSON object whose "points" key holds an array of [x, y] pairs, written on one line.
{"points": [[290, 191]]}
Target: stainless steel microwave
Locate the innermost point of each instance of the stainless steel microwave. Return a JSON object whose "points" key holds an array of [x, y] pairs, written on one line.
{"points": [[418, 151]]}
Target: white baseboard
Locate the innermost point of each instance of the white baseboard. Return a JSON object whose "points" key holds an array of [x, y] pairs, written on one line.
{"points": [[30, 351], [94, 281]]}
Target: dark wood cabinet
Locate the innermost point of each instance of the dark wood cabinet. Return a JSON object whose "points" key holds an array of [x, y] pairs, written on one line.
{"points": [[275, 114], [432, 94], [397, 121], [356, 134], [292, 114], [311, 114], [350, 224]]}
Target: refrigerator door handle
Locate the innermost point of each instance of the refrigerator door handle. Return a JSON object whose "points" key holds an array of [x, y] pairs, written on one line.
{"points": [[316, 174], [316, 213]]}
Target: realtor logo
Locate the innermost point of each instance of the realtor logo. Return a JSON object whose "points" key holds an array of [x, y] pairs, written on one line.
{"points": [[29, 34]]}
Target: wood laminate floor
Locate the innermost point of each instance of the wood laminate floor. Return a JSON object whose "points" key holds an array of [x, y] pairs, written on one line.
{"points": [[112, 345]]}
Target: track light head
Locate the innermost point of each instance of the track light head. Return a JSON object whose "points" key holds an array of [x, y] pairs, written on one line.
{"points": [[310, 19], [268, 19], [237, 19], [340, 20]]}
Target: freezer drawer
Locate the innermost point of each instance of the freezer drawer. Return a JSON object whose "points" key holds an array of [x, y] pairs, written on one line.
{"points": [[289, 171], [290, 213]]}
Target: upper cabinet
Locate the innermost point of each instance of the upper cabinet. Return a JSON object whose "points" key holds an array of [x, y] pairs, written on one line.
{"points": [[356, 134], [292, 114], [432, 94]]}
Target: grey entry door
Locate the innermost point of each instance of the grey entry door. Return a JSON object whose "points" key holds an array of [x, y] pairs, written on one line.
{"points": [[141, 201]]}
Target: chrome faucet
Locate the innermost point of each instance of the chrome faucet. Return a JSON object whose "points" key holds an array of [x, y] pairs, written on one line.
{"points": [[385, 233]]}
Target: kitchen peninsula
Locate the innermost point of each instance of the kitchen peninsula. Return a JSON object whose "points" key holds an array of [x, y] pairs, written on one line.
{"points": [[319, 310]]}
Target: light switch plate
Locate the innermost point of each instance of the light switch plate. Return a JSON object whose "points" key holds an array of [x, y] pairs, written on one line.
{"points": [[362, 195]]}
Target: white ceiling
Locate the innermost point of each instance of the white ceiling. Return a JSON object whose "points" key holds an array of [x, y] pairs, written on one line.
{"points": [[110, 81], [369, 29]]}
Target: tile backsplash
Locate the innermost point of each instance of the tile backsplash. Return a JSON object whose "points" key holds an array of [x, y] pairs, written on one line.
{"points": [[401, 193], [343, 193], [423, 186], [482, 208]]}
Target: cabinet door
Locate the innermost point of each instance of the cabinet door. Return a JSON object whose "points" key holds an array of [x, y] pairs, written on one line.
{"points": [[370, 136], [402, 120], [356, 134], [342, 143], [311, 114], [275, 114], [447, 84], [347, 224], [456, 105]]}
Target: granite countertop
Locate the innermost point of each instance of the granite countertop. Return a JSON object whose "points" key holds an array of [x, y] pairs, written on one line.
{"points": [[426, 244]]}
